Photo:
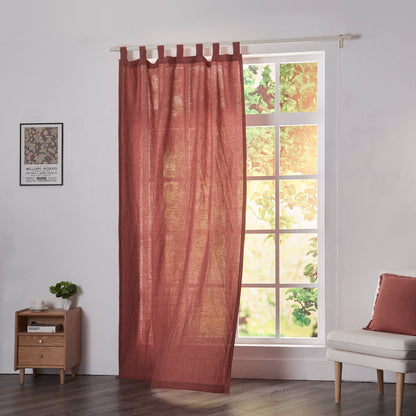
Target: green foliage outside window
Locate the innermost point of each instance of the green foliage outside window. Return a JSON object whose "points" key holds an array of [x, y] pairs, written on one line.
{"points": [[259, 89], [260, 151], [298, 86], [298, 155]]}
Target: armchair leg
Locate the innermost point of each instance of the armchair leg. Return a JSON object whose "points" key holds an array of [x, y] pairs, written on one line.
{"points": [[399, 393], [338, 374], [380, 381]]}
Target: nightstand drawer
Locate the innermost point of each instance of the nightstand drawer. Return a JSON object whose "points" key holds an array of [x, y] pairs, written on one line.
{"points": [[48, 340], [40, 356]]}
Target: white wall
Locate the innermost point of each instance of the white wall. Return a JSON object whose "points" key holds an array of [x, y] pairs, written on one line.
{"points": [[56, 67]]}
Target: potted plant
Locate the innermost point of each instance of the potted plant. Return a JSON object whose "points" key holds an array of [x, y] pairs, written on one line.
{"points": [[64, 290]]}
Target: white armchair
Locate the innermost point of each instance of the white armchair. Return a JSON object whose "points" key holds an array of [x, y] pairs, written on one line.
{"points": [[374, 349]]}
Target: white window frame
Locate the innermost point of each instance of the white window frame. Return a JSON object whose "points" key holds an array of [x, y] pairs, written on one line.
{"points": [[278, 119]]}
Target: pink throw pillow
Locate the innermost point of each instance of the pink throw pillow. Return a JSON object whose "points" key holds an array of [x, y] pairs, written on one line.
{"points": [[395, 307]]}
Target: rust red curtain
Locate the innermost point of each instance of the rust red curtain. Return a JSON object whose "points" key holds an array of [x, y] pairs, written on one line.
{"points": [[182, 209]]}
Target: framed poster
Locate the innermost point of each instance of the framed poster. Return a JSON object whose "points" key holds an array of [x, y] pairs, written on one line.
{"points": [[41, 153]]}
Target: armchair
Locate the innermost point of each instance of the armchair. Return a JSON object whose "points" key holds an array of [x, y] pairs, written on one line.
{"points": [[383, 350]]}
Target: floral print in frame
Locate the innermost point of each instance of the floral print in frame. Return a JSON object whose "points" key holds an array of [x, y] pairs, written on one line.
{"points": [[41, 154]]}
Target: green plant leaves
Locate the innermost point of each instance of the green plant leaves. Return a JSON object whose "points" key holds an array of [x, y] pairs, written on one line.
{"points": [[63, 289], [305, 301], [259, 89]]}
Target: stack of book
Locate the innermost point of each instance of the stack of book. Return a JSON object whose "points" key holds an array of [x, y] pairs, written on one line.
{"points": [[36, 327]]}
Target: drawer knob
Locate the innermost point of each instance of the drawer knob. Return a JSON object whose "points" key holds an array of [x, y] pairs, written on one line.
{"points": [[41, 356], [40, 341]]}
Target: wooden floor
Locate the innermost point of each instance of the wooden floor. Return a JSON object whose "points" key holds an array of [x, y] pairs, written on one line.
{"points": [[105, 395]]}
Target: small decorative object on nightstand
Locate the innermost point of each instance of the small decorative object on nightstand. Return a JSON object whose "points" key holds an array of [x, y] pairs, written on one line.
{"points": [[60, 349], [64, 290]]}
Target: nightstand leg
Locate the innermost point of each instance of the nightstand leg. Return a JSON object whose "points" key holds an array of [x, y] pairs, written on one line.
{"points": [[62, 376], [73, 370], [22, 376], [35, 372]]}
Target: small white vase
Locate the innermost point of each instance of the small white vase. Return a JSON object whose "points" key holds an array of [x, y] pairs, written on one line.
{"points": [[66, 304]]}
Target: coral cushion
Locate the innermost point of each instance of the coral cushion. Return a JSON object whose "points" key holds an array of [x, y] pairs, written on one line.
{"points": [[395, 307]]}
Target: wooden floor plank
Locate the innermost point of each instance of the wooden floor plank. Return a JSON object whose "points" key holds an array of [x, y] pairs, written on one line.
{"points": [[107, 395]]}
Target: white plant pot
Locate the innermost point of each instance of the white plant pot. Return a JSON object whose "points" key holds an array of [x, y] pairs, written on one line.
{"points": [[66, 304]]}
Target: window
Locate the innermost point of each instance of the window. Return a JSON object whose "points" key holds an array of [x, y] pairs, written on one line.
{"points": [[282, 288]]}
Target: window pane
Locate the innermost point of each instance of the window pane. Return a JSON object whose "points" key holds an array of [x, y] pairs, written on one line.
{"points": [[298, 203], [261, 198], [298, 150], [298, 258], [298, 312], [259, 258], [259, 88], [260, 151], [257, 316], [298, 87]]}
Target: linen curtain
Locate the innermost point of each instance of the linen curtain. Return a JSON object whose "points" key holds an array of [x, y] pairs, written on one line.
{"points": [[182, 212]]}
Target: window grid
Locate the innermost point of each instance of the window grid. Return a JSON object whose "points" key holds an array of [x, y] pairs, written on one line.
{"points": [[278, 120]]}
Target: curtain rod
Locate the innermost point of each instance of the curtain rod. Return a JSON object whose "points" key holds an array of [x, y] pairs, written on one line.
{"points": [[338, 38]]}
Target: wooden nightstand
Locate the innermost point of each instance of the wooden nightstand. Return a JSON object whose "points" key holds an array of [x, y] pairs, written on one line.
{"points": [[60, 349]]}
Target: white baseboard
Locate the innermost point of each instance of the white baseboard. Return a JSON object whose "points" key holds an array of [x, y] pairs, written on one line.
{"points": [[314, 369]]}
